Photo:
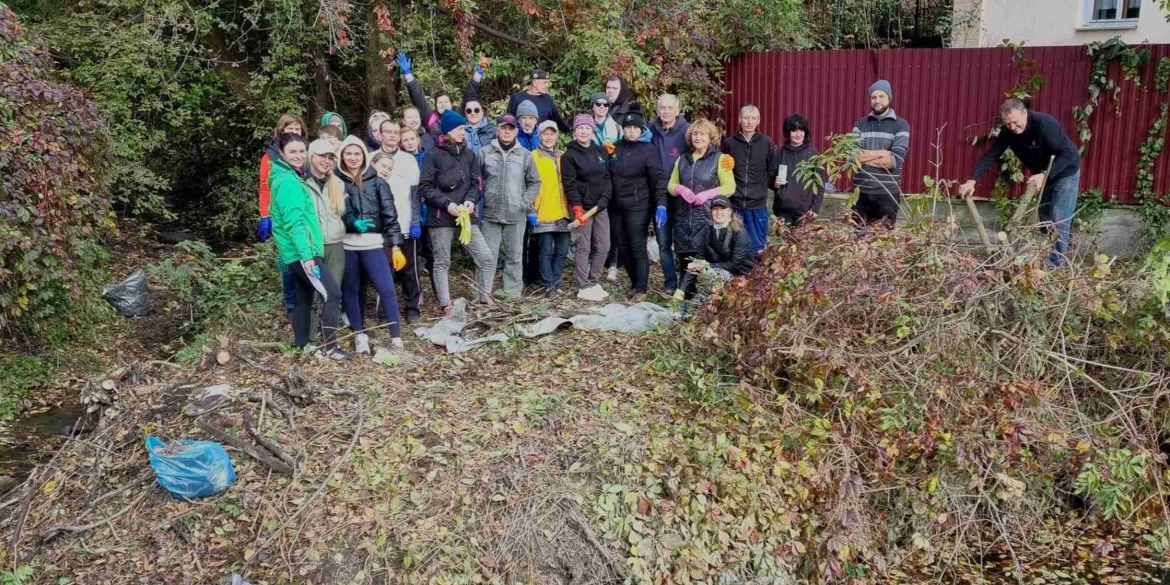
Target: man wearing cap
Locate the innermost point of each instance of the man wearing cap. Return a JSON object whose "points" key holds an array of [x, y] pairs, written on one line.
{"points": [[527, 117], [537, 93], [451, 185], [884, 139], [510, 185]]}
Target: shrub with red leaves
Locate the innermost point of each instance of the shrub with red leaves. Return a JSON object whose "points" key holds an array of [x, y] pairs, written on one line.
{"points": [[54, 203]]}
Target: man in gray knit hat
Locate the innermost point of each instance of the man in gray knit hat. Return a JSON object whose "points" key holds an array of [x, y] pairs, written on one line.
{"points": [[884, 139]]}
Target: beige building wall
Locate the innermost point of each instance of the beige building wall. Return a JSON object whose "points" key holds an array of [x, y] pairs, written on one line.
{"points": [[986, 23]]}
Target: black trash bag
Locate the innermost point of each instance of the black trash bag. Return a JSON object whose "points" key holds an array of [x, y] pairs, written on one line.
{"points": [[131, 297]]}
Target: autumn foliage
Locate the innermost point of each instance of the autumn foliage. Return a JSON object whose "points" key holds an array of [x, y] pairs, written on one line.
{"points": [[53, 206]]}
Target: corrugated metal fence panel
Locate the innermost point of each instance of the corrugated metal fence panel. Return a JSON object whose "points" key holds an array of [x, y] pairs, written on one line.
{"points": [[949, 96]]}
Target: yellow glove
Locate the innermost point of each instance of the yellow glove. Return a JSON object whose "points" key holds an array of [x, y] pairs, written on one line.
{"points": [[726, 162], [464, 222], [398, 259]]}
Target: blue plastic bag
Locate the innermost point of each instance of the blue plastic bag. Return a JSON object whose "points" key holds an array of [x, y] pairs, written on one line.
{"points": [[191, 469]]}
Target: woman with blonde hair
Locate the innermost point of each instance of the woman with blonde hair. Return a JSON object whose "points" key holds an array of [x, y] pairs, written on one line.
{"points": [[329, 199], [699, 176]]}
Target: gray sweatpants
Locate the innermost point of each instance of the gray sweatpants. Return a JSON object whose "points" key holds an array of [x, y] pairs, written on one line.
{"points": [[485, 268], [512, 237], [591, 249]]}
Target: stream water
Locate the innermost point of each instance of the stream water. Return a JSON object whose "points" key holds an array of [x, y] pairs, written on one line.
{"points": [[32, 439]]}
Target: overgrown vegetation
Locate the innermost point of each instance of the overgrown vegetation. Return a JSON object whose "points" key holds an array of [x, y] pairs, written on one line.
{"points": [[18, 375], [893, 359], [54, 208], [1104, 55]]}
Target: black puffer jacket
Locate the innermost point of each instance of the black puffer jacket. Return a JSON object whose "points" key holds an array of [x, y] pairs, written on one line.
{"points": [[691, 222], [638, 180], [585, 176], [794, 196], [449, 175], [729, 249], [755, 169], [373, 201]]}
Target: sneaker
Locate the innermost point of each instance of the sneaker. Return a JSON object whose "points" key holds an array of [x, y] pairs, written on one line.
{"points": [[679, 295], [638, 297], [333, 353], [552, 293], [412, 316], [345, 320], [397, 342], [594, 293], [612, 274], [362, 343], [601, 291]]}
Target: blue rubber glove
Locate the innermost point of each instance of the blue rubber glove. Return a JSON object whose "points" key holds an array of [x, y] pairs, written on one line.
{"points": [[364, 225], [415, 232], [424, 213], [404, 63], [317, 272], [531, 220], [660, 216], [265, 229]]}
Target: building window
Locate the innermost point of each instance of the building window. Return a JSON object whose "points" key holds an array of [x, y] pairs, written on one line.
{"points": [[1112, 10]]}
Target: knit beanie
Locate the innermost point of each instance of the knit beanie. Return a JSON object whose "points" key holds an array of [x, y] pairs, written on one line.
{"points": [[527, 108], [599, 96], [450, 121], [882, 86], [582, 120]]}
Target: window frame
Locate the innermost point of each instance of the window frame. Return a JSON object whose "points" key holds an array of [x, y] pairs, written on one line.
{"points": [[1089, 23]]}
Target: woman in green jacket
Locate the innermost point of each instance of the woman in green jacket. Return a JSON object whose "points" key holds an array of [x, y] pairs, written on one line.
{"points": [[297, 232]]}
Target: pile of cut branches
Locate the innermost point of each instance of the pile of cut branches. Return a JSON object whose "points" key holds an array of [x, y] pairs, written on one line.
{"points": [[937, 403]]}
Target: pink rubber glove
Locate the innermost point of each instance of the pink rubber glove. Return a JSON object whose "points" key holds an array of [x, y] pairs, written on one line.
{"points": [[685, 193], [705, 196]]}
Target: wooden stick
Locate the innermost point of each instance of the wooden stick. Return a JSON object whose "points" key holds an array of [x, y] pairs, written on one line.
{"points": [[276, 464], [54, 531], [588, 214], [285, 457], [978, 221], [1029, 193]]}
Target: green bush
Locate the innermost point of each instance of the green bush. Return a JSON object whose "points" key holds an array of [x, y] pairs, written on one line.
{"points": [[18, 375], [54, 207]]}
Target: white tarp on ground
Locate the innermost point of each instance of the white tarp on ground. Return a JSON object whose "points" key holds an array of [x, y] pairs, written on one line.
{"points": [[445, 333], [612, 317]]}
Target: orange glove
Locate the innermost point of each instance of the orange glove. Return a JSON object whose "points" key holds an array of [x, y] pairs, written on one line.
{"points": [[726, 162], [483, 62], [579, 215], [609, 147], [398, 259]]}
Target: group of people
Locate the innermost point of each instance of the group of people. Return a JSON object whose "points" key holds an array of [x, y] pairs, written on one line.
{"points": [[350, 209]]}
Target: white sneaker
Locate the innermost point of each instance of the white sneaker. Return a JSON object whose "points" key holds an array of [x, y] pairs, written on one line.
{"points": [[612, 275], [362, 343], [396, 342], [594, 293], [345, 320], [601, 292]]}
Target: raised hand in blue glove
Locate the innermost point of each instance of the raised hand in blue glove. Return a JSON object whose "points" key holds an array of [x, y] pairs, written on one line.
{"points": [[404, 63], [364, 225], [265, 229], [531, 220], [415, 232], [660, 216]]}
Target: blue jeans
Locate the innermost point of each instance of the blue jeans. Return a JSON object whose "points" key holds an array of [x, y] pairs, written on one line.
{"points": [[1057, 204], [554, 249], [288, 286], [755, 221], [666, 253], [372, 263]]}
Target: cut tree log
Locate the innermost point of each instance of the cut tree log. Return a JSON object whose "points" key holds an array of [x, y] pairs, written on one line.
{"points": [[588, 214]]}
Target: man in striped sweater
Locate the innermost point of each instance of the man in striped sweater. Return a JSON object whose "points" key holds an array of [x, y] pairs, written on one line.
{"points": [[884, 139]]}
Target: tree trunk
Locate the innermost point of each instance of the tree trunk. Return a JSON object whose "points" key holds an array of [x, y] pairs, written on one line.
{"points": [[381, 84], [323, 100]]}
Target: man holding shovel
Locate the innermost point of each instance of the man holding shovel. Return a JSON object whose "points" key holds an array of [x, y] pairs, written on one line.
{"points": [[1047, 151]]}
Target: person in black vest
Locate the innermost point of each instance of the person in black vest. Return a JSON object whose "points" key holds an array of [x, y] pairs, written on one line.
{"points": [[699, 176], [1036, 138]]}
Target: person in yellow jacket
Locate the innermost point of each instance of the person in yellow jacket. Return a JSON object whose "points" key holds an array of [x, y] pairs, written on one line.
{"points": [[550, 216]]}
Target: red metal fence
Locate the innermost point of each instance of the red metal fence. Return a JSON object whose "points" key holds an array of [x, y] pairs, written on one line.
{"points": [[958, 91]]}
